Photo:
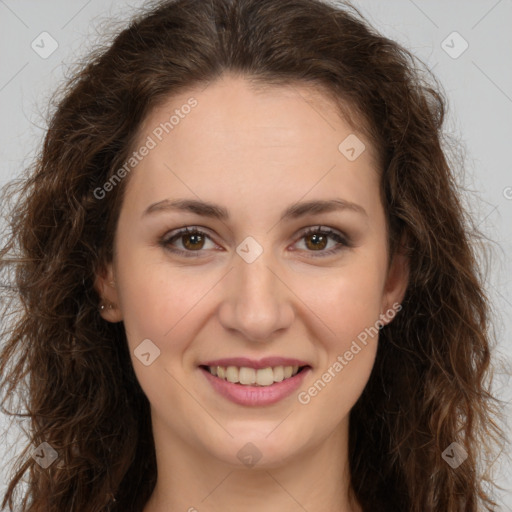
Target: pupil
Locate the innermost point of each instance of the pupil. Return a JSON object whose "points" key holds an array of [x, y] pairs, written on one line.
{"points": [[192, 237], [316, 243]]}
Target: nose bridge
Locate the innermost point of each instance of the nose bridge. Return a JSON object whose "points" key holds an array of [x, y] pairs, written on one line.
{"points": [[256, 283], [257, 303]]}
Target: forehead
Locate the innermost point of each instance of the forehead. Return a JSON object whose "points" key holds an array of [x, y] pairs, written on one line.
{"points": [[265, 141], [233, 102]]}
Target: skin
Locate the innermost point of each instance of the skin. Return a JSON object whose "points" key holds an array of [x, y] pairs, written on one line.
{"points": [[253, 152]]}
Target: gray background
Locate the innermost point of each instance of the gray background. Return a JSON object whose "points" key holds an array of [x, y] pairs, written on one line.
{"points": [[478, 84]]}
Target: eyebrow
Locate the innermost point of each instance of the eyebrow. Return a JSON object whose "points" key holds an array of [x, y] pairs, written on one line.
{"points": [[293, 211]]}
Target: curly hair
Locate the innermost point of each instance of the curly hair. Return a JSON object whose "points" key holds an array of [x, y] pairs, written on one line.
{"points": [[428, 387]]}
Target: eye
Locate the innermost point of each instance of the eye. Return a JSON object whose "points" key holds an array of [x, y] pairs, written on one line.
{"points": [[192, 240], [317, 239]]}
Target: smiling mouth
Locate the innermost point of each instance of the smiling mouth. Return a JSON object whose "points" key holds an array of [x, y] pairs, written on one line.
{"points": [[245, 376]]}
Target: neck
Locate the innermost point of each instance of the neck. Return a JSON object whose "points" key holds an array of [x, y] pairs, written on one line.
{"points": [[316, 479]]}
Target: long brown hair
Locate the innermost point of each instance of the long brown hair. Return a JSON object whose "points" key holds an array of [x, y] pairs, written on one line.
{"points": [[428, 386]]}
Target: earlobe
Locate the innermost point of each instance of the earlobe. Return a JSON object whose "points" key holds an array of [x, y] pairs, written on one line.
{"points": [[105, 285]]}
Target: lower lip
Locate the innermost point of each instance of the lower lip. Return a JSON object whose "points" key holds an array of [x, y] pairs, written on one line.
{"points": [[256, 395]]}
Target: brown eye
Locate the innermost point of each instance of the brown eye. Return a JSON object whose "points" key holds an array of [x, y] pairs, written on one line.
{"points": [[317, 239], [193, 242]]}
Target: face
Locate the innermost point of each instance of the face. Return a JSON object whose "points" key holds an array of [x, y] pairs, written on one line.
{"points": [[286, 266]]}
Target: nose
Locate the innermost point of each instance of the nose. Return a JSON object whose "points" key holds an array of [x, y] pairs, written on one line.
{"points": [[257, 300]]}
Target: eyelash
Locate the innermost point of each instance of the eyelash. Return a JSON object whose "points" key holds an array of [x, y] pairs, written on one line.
{"points": [[343, 241]]}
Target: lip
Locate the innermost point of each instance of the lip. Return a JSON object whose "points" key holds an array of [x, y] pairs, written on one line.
{"points": [[256, 364], [254, 396]]}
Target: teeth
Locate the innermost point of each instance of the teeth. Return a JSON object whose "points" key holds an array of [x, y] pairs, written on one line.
{"points": [[263, 377], [250, 377], [232, 374], [278, 373], [246, 376]]}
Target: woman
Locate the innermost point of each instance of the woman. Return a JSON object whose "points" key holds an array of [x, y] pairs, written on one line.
{"points": [[246, 277]]}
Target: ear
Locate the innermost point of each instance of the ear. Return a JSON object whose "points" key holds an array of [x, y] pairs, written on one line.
{"points": [[396, 285], [105, 285]]}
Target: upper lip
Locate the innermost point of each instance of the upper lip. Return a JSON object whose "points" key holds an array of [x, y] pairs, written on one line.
{"points": [[257, 364]]}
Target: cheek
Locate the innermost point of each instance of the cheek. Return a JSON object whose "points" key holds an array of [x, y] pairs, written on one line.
{"points": [[160, 309], [346, 301], [152, 300], [348, 304], [349, 309]]}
